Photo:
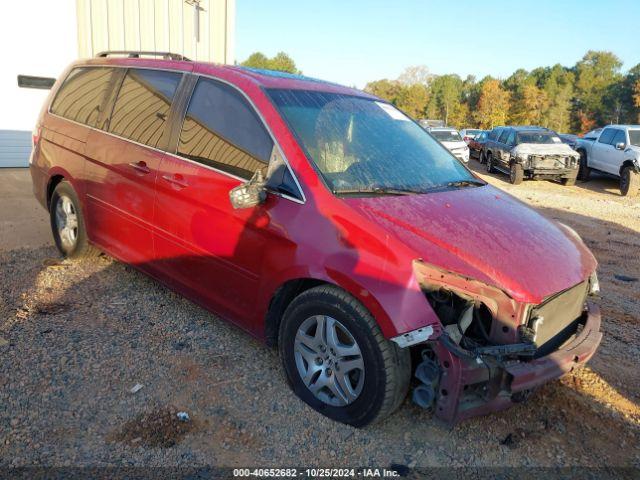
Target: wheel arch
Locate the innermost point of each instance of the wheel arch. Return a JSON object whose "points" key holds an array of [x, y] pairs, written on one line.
{"points": [[53, 182], [287, 291], [279, 302], [629, 163]]}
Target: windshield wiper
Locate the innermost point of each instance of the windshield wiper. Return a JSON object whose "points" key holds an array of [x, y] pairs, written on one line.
{"points": [[378, 191], [466, 183]]}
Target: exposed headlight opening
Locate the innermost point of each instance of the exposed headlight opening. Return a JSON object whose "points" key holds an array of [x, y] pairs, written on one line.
{"points": [[474, 315]]}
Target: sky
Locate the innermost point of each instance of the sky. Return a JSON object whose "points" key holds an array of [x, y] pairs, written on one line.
{"points": [[353, 42]]}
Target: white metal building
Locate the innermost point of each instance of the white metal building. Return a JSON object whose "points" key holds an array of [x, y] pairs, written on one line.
{"points": [[41, 37]]}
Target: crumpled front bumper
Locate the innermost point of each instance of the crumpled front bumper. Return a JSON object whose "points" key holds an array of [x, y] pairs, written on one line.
{"points": [[510, 381], [576, 353]]}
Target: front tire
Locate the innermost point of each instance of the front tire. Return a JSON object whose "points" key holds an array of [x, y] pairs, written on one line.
{"points": [[584, 172], [489, 159], [67, 223], [516, 174], [337, 361], [629, 182]]}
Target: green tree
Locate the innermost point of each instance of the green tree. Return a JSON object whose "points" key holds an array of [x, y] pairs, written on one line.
{"points": [[636, 98], [387, 89], [446, 94], [256, 60], [281, 62], [558, 85], [413, 99], [493, 105], [629, 95], [596, 75]]}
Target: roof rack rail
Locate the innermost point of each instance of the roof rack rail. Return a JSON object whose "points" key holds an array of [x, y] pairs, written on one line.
{"points": [[138, 54]]}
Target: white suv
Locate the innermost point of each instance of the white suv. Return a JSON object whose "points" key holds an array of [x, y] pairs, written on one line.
{"points": [[615, 150], [452, 141]]}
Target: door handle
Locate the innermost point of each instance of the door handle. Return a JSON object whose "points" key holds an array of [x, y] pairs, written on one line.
{"points": [[176, 180], [140, 166]]}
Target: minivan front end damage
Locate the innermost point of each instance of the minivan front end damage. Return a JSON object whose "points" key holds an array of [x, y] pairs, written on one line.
{"points": [[492, 350]]}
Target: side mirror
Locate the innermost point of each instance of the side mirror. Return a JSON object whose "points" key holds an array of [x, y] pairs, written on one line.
{"points": [[42, 83], [249, 194], [620, 146]]}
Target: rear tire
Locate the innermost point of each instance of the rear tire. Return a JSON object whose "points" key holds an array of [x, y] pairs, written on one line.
{"points": [[629, 182], [584, 172], [516, 174], [67, 223], [382, 377]]}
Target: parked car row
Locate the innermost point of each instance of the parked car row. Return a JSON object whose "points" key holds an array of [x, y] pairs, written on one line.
{"points": [[532, 152]]}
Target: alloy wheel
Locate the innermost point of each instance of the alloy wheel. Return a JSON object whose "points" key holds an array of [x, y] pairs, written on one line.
{"points": [[66, 222], [329, 360]]}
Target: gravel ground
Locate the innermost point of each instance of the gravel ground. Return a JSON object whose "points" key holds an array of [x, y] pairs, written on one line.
{"points": [[76, 336]]}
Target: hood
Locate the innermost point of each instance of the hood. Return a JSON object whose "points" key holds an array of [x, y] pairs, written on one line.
{"points": [[545, 149], [454, 145], [635, 149], [485, 234]]}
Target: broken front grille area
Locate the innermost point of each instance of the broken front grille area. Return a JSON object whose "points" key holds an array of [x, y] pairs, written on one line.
{"points": [[549, 161], [558, 318]]}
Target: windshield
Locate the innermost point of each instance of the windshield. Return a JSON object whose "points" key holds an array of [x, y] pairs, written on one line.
{"points": [[472, 132], [634, 137], [446, 135], [359, 144], [593, 134], [538, 137]]}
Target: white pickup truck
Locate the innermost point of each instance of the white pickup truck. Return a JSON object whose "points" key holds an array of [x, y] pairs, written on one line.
{"points": [[615, 150]]}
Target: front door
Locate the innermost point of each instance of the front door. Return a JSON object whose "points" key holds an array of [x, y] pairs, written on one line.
{"points": [[204, 247], [615, 157], [601, 149]]}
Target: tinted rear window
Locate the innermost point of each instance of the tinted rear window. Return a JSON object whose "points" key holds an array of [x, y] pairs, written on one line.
{"points": [[446, 135], [81, 96]]}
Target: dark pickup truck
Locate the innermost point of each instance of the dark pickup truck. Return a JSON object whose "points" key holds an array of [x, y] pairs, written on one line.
{"points": [[530, 152]]}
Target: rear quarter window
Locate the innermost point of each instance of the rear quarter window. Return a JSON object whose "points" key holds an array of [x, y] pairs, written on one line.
{"points": [[142, 106], [81, 97]]}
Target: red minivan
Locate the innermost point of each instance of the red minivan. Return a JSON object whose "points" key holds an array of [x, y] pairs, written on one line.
{"points": [[322, 220]]}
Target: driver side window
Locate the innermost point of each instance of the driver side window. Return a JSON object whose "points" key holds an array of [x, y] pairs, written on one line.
{"points": [[619, 137], [223, 131]]}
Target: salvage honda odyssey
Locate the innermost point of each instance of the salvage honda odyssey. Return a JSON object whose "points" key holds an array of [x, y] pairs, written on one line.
{"points": [[322, 220]]}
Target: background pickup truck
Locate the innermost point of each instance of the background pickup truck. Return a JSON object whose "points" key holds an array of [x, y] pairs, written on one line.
{"points": [[615, 150], [529, 152]]}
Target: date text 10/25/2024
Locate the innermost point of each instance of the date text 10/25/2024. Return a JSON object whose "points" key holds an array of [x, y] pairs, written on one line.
{"points": [[316, 472]]}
